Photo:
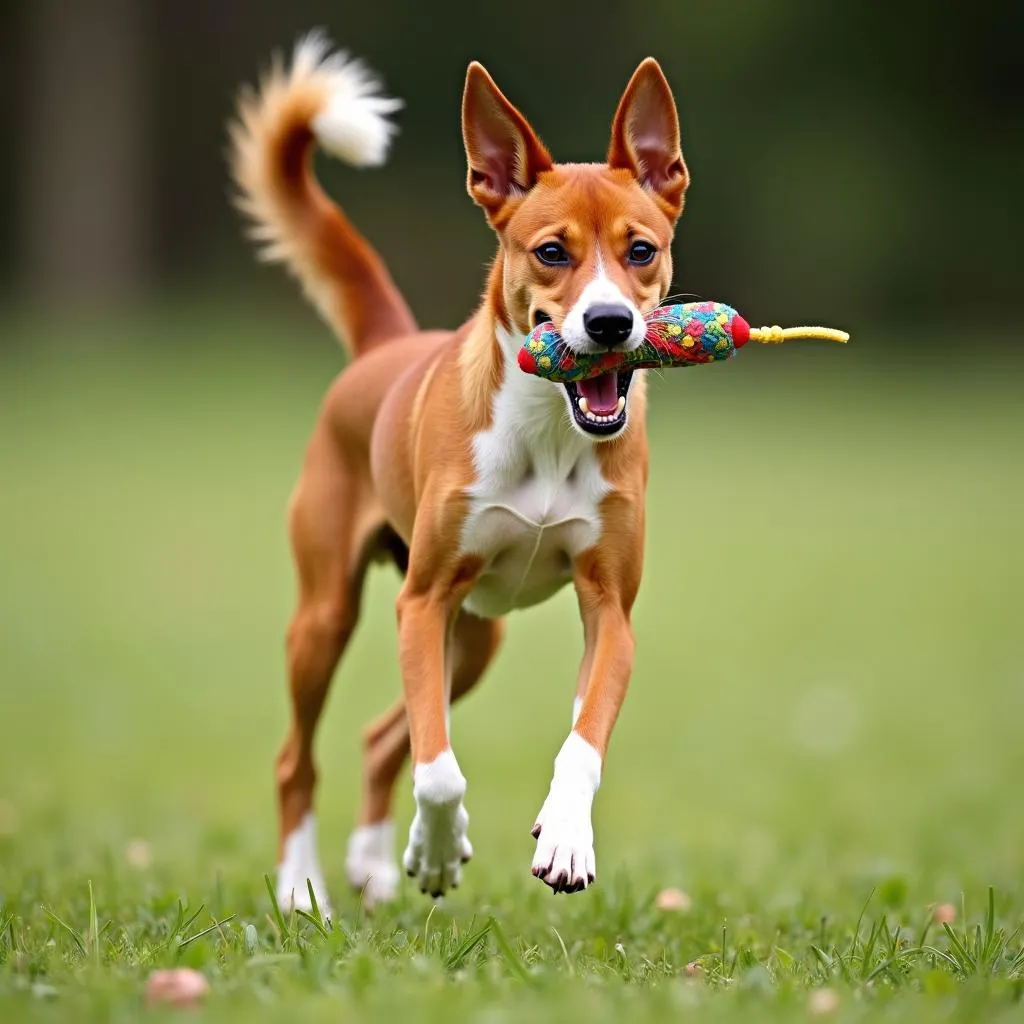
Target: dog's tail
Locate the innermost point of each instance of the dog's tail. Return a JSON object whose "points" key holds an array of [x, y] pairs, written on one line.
{"points": [[330, 99]]}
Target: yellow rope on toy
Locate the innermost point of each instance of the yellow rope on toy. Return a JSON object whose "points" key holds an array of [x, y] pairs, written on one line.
{"points": [[776, 335]]}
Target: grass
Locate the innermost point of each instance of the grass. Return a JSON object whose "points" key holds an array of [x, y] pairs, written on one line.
{"points": [[821, 742]]}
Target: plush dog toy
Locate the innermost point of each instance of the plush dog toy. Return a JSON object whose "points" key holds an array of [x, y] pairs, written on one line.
{"points": [[684, 334]]}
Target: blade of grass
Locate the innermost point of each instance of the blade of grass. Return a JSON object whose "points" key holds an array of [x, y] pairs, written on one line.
{"points": [[990, 918], [459, 957], [869, 947], [823, 958], [176, 927], [278, 916], [565, 952], [426, 928], [928, 922], [894, 941], [313, 902], [732, 966], [968, 960], [1018, 964], [206, 931], [885, 965], [860, 921], [509, 955], [944, 956], [315, 921], [94, 927], [192, 920], [71, 931]]}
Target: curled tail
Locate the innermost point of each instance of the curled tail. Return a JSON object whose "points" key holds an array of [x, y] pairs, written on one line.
{"points": [[330, 99]]}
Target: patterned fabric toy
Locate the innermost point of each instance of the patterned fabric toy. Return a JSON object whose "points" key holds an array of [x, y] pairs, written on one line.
{"points": [[684, 334]]}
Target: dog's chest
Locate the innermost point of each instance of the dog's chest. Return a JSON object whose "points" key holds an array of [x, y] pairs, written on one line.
{"points": [[535, 503]]}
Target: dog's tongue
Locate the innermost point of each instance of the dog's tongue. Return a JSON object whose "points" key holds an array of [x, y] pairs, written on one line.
{"points": [[601, 393]]}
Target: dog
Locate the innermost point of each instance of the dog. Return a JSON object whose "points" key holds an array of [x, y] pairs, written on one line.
{"points": [[490, 489]]}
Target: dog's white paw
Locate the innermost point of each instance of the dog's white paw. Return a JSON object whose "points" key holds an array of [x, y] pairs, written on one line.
{"points": [[564, 858], [298, 865], [370, 862], [438, 844]]}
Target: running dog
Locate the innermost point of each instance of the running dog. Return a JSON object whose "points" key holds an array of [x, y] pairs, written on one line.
{"points": [[490, 489]]}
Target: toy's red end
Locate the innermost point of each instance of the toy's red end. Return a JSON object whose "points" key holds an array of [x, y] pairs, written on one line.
{"points": [[526, 361], [740, 331]]}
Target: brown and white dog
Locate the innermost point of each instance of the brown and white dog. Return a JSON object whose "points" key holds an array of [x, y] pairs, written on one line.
{"points": [[490, 489]]}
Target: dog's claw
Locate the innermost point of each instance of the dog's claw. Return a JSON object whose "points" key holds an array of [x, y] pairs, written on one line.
{"points": [[564, 859]]}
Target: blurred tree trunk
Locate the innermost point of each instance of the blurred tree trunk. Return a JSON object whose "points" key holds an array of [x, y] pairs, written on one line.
{"points": [[84, 223]]}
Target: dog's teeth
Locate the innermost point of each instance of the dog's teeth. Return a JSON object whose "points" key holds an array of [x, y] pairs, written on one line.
{"points": [[593, 417]]}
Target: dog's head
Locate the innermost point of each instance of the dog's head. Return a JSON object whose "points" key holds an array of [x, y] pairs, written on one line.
{"points": [[585, 246]]}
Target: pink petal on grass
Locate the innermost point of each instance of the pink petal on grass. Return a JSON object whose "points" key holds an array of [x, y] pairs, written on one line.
{"points": [[673, 899], [822, 1001], [180, 986]]}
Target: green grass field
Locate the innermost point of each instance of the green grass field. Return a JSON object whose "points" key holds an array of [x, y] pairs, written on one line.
{"points": [[822, 739]]}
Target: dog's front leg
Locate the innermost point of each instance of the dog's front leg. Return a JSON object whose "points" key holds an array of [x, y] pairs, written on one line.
{"points": [[606, 584], [438, 843]]}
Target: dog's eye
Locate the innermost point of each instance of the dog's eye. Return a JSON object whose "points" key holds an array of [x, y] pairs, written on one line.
{"points": [[641, 253], [552, 254]]}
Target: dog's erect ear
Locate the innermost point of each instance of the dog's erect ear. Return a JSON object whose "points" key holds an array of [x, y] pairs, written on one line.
{"points": [[645, 137], [504, 154]]}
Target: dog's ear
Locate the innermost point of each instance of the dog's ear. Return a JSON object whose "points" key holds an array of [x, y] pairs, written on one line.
{"points": [[645, 137], [504, 154]]}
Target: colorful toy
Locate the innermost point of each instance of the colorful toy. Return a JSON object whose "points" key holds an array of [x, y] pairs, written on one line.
{"points": [[684, 334]]}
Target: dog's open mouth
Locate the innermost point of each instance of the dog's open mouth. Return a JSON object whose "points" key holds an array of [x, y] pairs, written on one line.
{"points": [[599, 404]]}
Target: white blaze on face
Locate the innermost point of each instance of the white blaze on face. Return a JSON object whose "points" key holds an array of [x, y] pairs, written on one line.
{"points": [[602, 290]]}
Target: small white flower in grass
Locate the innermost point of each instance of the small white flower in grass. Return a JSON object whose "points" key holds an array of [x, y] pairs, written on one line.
{"points": [[139, 854], [823, 1000], [180, 986], [10, 820], [673, 900], [944, 913]]}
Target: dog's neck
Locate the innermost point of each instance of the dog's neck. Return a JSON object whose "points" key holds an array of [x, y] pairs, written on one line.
{"points": [[487, 360], [527, 431], [492, 379]]}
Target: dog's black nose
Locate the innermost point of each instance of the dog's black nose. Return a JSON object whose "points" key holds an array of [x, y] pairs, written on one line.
{"points": [[608, 323]]}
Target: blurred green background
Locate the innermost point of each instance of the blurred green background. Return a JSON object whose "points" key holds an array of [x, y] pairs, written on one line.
{"points": [[828, 676], [854, 162], [829, 670]]}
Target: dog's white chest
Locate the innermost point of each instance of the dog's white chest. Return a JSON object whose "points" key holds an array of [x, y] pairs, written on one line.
{"points": [[535, 504]]}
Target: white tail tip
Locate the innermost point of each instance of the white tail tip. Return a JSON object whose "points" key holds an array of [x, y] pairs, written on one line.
{"points": [[353, 124]]}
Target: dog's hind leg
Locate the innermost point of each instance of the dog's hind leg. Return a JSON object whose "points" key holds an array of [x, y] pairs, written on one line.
{"points": [[371, 862], [332, 527]]}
